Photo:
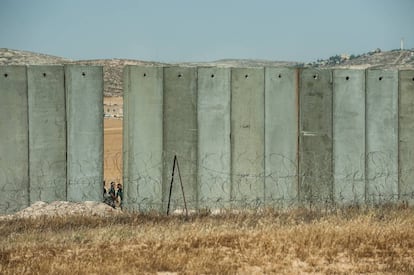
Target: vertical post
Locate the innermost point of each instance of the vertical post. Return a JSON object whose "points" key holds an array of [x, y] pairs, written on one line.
{"points": [[171, 185]]}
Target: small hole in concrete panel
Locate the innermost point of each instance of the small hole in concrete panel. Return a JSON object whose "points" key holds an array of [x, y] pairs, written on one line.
{"points": [[212, 76], [280, 76], [145, 74], [347, 78], [44, 74], [380, 78], [246, 76], [83, 74], [180, 75], [315, 76], [413, 79], [6, 75]]}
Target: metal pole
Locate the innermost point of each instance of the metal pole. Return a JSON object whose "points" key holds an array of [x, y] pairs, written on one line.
{"points": [[182, 189], [171, 185]]}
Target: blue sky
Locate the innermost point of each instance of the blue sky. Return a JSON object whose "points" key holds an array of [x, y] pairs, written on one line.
{"points": [[192, 30]]}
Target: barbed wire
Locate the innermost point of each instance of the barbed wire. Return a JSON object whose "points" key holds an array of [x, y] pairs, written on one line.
{"points": [[212, 184], [373, 181]]}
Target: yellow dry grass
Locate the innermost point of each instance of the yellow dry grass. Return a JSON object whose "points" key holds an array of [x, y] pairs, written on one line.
{"points": [[344, 241]]}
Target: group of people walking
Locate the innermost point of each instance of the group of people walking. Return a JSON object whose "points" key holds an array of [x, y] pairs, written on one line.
{"points": [[113, 197]]}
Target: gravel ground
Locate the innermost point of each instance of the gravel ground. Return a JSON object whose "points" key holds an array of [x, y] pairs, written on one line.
{"points": [[64, 208]]}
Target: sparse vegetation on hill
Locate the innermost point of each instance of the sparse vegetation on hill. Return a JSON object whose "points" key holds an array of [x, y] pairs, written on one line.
{"points": [[17, 57], [113, 67], [374, 59]]}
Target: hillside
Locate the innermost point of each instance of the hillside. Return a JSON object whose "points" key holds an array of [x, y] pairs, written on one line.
{"points": [[17, 57], [113, 67], [395, 59]]}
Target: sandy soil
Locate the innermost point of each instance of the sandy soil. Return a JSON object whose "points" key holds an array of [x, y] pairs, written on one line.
{"points": [[112, 150], [109, 100]]}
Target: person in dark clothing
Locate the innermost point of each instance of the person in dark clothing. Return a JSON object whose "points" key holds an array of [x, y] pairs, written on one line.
{"points": [[120, 195], [112, 194]]}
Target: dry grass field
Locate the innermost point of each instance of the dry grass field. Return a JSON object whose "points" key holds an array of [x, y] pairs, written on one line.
{"points": [[345, 241]]}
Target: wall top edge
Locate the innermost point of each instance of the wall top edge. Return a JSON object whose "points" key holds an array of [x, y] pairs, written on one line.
{"points": [[267, 67], [50, 65]]}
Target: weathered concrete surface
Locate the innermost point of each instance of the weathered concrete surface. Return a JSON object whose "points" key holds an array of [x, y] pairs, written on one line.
{"points": [[84, 101], [47, 128], [14, 141], [406, 142], [281, 136], [349, 136], [143, 122], [214, 136], [180, 134], [247, 143], [382, 135], [315, 157]]}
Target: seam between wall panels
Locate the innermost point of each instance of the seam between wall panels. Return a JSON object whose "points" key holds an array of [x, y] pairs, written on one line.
{"points": [[398, 136], [298, 139], [196, 183], [164, 188], [66, 132], [332, 194], [161, 72], [333, 164], [365, 139], [28, 135], [264, 135], [231, 135]]}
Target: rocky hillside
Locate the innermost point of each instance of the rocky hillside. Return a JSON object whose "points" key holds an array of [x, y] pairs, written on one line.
{"points": [[113, 67], [395, 59], [16, 57]]}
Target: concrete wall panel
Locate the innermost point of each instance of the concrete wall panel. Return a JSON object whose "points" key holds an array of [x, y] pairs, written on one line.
{"points": [[315, 163], [382, 135], [47, 128], [247, 133], [180, 134], [143, 119], [214, 136], [349, 136], [84, 92], [14, 141], [406, 135], [281, 135]]}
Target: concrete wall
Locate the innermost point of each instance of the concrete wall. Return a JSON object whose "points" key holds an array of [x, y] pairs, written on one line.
{"points": [[47, 128], [406, 134], [180, 134], [51, 134], [250, 137], [213, 118], [382, 135], [315, 151], [14, 141], [349, 136], [244, 137], [84, 101], [143, 122], [281, 136], [247, 136]]}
